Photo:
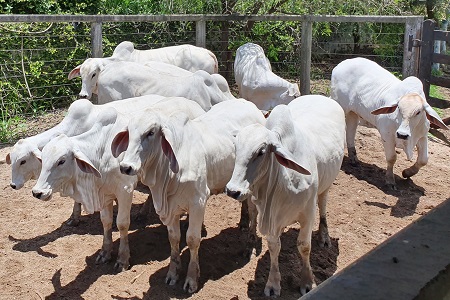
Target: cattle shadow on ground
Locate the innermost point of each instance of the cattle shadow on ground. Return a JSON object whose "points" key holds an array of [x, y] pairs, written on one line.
{"points": [[89, 224], [149, 244], [218, 256], [323, 263], [408, 193]]}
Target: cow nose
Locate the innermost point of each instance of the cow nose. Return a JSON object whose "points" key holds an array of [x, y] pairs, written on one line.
{"points": [[402, 136], [37, 194], [82, 96], [13, 185], [126, 170], [233, 194]]}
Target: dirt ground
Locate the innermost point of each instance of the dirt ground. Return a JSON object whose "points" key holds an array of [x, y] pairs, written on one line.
{"points": [[42, 258]]}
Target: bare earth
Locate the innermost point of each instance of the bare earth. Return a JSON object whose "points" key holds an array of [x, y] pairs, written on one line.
{"points": [[42, 258]]}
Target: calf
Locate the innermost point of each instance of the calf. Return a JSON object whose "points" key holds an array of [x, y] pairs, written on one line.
{"points": [[289, 165], [183, 162], [397, 108]]}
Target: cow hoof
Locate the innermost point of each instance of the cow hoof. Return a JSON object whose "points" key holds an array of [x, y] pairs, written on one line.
{"points": [[392, 186], [325, 242], [120, 267], [72, 222], [407, 173], [305, 288], [190, 285], [271, 291], [171, 279], [103, 257], [244, 224]]}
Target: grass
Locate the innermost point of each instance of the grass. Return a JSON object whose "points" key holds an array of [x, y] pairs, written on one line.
{"points": [[10, 129], [435, 93]]}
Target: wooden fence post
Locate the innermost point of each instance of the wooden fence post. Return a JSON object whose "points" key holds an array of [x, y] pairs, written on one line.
{"points": [[411, 52], [96, 37], [200, 33], [305, 58], [426, 51]]}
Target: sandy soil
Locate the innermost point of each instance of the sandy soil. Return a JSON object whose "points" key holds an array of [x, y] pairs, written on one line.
{"points": [[42, 258]]}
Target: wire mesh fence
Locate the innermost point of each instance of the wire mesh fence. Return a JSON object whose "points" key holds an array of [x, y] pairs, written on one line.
{"points": [[36, 57]]}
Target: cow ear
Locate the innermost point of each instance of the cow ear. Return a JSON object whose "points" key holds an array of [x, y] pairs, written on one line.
{"points": [[85, 164], [293, 90], [433, 117], [286, 159], [120, 143], [38, 154], [8, 159], [74, 73], [385, 110], [166, 144]]}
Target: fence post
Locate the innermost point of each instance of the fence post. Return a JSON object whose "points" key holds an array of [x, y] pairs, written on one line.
{"points": [[96, 38], [200, 33], [426, 52], [413, 32], [305, 58]]}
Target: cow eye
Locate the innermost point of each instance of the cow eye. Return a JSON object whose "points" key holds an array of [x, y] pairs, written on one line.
{"points": [[150, 133], [23, 162], [261, 152], [93, 75], [418, 113], [61, 162]]}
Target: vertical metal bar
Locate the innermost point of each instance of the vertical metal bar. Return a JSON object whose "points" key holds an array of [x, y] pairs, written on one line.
{"points": [[200, 33], [96, 38]]}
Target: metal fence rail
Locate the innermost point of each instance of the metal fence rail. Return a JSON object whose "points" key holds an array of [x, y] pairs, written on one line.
{"points": [[28, 77]]}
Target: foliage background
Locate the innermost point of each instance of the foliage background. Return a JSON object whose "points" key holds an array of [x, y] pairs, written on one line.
{"points": [[36, 57]]}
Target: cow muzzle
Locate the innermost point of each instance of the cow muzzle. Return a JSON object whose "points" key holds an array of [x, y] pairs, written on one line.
{"points": [[237, 195], [42, 195], [402, 136], [127, 169]]}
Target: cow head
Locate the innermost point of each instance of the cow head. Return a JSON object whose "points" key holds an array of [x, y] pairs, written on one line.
{"points": [[255, 147], [89, 71], [413, 112], [60, 160], [25, 163]]}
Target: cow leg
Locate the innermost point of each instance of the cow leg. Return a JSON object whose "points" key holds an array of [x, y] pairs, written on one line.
{"points": [[351, 121], [106, 216], [193, 238], [391, 157], [146, 208], [324, 237], [422, 158], [174, 231], [74, 218], [252, 236], [244, 221], [123, 224], [304, 248], [273, 285]]}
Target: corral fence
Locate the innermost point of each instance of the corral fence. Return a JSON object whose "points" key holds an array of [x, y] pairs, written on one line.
{"points": [[38, 51], [428, 56]]}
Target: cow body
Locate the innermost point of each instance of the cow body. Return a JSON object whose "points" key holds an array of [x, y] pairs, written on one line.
{"points": [[397, 108], [182, 162], [114, 80], [187, 57], [289, 166], [82, 167], [256, 81]]}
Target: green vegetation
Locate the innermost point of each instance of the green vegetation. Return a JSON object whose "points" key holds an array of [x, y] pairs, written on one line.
{"points": [[36, 57]]}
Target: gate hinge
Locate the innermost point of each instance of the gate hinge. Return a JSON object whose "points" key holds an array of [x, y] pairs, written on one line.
{"points": [[414, 43]]}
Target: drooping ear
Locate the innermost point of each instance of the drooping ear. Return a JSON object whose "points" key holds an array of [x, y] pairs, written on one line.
{"points": [[38, 154], [433, 117], [385, 110], [294, 90], [120, 143], [286, 159], [85, 164], [8, 159], [74, 73], [166, 144]]}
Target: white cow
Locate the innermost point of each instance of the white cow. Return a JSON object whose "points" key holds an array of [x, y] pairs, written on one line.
{"points": [[188, 57], [81, 116], [183, 162], [256, 81], [82, 167], [289, 166], [397, 108], [114, 80]]}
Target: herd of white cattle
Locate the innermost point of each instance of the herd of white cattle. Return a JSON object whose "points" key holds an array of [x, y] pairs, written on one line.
{"points": [[166, 118]]}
